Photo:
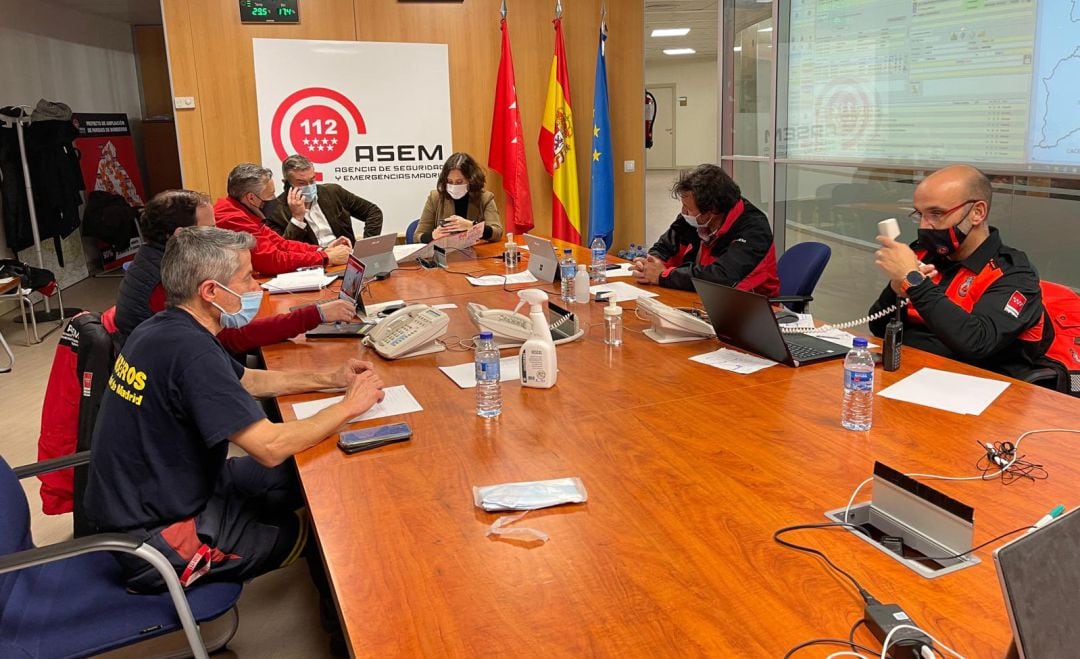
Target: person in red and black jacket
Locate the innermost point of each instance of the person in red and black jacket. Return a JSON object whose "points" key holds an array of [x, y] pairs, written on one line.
{"points": [[251, 188], [719, 237], [142, 294], [970, 297]]}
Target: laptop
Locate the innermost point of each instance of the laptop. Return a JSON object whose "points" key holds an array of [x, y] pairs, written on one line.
{"points": [[543, 260], [1040, 580], [746, 321], [351, 286], [377, 254]]}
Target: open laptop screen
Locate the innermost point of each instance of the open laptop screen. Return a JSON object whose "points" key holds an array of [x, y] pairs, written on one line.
{"points": [[1040, 578], [352, 283]]}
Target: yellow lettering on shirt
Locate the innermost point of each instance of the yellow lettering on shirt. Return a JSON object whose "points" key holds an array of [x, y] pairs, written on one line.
{"points": [[125, 375]]}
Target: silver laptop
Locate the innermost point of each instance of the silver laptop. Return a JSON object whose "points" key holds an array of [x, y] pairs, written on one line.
{"points": [[377, 254], [1040, 580], [543, 259], [746, 321]]}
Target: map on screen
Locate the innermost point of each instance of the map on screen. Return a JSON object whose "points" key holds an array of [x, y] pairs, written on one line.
{"points": [[983, 81]]}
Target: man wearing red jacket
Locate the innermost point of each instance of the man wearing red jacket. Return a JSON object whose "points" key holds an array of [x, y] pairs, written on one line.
{"points": [[142, 294], [251, 188]]}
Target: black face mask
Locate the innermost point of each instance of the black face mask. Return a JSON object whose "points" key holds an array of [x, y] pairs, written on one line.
{"points": [[943, 242]]}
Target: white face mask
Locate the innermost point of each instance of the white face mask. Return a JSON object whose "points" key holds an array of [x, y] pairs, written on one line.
{"points": [[457, 191], [692, 220]]}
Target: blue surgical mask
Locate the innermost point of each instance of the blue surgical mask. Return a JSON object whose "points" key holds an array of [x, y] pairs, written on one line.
{"points": [[249, 307], [309, 192]]}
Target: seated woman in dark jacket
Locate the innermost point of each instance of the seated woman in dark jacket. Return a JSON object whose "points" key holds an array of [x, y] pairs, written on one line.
{"points": [[459, 201]]}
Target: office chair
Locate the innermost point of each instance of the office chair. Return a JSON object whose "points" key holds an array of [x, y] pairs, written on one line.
{"points": [[69, 600], [410, 233], [799, 270]]}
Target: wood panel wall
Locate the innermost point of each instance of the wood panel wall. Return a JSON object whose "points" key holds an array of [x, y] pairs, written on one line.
{"points": [[210, 58]]}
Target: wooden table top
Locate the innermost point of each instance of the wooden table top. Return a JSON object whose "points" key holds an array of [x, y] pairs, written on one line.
{"points": [[689, 470]]}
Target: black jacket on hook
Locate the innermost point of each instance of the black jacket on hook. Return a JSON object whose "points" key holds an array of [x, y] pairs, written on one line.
{"points": [[53, 162]]}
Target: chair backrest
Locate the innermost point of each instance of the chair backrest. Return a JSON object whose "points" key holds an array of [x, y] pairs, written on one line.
{"points": [[801, 266], [410, 233], [14, 524]]}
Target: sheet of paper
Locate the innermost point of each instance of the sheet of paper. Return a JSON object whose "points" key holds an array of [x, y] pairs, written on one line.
{"points": [[733, 360], [833, 335], [524, 277], [943, 390], [398, 400], [622, 271], [464, 375], [805, 321], [402, 252], [623, 292], [453, 242]]}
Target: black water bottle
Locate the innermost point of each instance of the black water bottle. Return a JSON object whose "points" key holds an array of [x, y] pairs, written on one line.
{"points": [[894, 338]]}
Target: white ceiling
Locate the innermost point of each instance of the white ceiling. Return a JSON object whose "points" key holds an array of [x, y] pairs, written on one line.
{"points": [[134, 12], [703, 19]]}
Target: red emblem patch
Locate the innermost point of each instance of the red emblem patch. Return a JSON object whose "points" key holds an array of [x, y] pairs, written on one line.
{"points": [[966, 286], [87, 383], [1015, 304]]}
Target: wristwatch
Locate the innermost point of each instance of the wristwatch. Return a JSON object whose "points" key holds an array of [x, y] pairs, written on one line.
{"points": [[913, 278]]}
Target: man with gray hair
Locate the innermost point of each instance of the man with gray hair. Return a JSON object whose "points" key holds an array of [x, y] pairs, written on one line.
{"points": [[318, 213], [251, 188], [175, 400]]}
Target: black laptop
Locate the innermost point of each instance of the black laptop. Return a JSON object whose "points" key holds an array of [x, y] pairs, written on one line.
{"points": [[351, 286], [745, 320]]}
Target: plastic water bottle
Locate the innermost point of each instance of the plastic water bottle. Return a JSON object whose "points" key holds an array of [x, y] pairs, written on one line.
{"points": [[598, 267], [510, 252], [581, 284], [858, 412], [488, 388], [567, 270]]}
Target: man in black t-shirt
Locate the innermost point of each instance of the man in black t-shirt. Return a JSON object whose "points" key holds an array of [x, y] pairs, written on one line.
{"points": [[174, 401]]}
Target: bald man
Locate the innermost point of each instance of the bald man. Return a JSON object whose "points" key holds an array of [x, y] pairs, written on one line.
{"points": [[970, 297]]}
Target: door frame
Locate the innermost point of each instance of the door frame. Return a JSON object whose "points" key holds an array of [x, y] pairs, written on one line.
{"points": [[674, 129]]}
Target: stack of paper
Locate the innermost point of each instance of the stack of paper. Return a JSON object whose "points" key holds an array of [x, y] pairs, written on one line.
{"points": [[299, 281], [623, 292], [734, 361], [403, 252], [952, 392]]}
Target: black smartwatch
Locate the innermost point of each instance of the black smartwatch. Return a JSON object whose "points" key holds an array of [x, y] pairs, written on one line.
{"points": [[913, 278]]}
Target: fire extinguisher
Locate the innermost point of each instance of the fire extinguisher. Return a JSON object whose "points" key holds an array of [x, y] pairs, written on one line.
{"points": [[650, 117]]}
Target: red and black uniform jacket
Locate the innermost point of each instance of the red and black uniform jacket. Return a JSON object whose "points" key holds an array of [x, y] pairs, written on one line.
{"points": [[740, 254], [272, 254], [142, 295], [986, 310]]}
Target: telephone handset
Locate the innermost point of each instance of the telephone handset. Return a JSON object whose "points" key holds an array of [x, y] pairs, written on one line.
{"points": [[409, 332], [890, 228], [511, 329], [670, 325]]}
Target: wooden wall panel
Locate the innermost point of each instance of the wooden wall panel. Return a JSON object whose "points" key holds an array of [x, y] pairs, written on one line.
{"points": [[216, 67], [153, 69]]}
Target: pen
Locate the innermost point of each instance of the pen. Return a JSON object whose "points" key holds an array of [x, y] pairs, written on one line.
{"points": [[1048, 517]]}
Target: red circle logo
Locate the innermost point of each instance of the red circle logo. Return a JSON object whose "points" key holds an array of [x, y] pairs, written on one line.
{"points": [[320, 133]]}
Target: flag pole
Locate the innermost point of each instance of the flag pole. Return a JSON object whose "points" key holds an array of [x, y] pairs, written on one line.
{"points": [[503, 10], [558, 8]]}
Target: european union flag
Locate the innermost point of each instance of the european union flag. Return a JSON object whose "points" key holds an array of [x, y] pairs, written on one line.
{"points": [[601, 172]]}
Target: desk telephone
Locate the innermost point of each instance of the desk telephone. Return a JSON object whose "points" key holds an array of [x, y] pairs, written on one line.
{"points": [[511, 329], [670, 325], [409, 332]]}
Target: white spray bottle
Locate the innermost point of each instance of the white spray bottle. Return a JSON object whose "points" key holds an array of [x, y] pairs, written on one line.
{"points": [[539, 366]]}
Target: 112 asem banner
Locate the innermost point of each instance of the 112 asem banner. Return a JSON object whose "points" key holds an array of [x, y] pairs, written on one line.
{"points": [[372, 117]]}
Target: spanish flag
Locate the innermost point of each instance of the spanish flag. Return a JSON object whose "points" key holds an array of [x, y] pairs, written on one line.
{"points": [[557, 147]]}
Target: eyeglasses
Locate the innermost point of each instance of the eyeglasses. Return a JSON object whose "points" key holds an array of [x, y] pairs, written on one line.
{"points": [[935, 216]]}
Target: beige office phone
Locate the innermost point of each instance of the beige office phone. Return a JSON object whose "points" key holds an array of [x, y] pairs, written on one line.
{"points": [[671, 325], [409, 332]]}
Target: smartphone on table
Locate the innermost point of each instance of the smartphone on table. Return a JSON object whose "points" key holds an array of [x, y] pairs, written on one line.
{"points": [[362, 439]]}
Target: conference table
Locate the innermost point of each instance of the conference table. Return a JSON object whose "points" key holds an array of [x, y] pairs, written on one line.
{"points": [[689, 470]]}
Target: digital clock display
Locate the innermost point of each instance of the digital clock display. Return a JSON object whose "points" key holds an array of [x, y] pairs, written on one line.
{"points": [[269, 11]]}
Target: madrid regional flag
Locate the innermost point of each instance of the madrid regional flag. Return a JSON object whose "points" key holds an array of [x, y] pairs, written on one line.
{"points": [[557, 147]]}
